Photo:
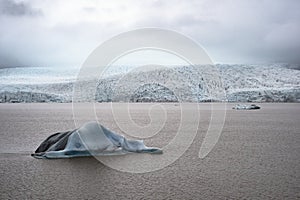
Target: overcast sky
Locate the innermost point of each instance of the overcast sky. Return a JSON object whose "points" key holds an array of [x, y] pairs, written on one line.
{"points": [[61, 33]]}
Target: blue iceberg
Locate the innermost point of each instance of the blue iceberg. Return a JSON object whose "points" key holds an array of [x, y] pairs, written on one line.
{"points": [[92, 139]]}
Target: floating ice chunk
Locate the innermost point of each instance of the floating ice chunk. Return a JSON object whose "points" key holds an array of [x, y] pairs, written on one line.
{"points": [[92, 139], [246, 107]]}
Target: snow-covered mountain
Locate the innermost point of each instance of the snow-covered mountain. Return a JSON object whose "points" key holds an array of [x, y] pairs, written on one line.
{"points": [[252, 83]]}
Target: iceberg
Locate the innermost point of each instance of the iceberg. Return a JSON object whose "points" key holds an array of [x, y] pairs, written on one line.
{"points": [[91, 139], [246, 107]]}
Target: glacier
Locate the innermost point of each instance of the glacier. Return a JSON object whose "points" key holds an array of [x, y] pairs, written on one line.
{"points": [[225, 82]]}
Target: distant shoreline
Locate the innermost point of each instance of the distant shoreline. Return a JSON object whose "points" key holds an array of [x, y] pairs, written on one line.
{"points": [[175, 103]]}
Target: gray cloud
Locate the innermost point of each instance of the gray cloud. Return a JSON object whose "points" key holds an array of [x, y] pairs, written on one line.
{"points": [[231, 31], [12, 8]]}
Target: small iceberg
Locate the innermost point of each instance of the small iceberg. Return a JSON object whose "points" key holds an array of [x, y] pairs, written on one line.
{"points": [[92, 139], [246, 107]]}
